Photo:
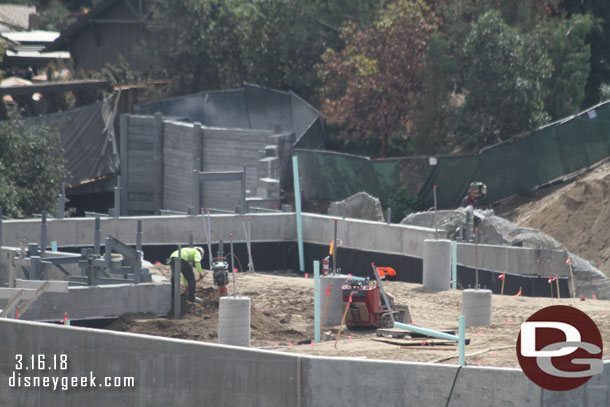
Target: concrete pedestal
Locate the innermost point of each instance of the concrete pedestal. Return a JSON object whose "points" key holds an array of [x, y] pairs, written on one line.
{"points": [[234, 321], [334, 311], [437, 264], [476, 307]]}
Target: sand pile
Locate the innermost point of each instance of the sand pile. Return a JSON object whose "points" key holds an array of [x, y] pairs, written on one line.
{"points": [[577, 215]]}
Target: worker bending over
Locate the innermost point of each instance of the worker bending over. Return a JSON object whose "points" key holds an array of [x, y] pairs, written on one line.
{"points": [[190, 256]]}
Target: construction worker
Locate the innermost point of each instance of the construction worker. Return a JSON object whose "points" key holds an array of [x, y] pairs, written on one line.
{"points": [[190, 256], [476, 192]]}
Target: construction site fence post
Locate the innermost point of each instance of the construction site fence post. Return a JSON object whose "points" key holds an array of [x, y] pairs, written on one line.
{"points": [[454, 265], [462, 339], [43, 232], [176, 280], [117, 198], [316, 300], [61, 205], [297, 202], [97, 236]]}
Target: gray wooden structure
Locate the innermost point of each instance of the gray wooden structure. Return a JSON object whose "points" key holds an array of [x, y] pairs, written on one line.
{"points": [[108, 31], [159, 155]]}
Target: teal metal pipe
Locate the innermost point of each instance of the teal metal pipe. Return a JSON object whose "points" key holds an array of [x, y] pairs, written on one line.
{"points": [[454, 265], [462, 341], [297, 204], [427, 332], [316, 300]]}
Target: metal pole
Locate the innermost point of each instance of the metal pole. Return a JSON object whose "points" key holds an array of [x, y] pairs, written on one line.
{"points": [[195, 191], [244, 205], [297, 202], [43, 233], [389, 216], [62, 202], [316, 300], [176, 279], [0, 226], [139, 236], [454, 265], [462, 339], [97, 236], [35, 267], [335, 250], [191, 241], [434, 193], [232, 265], [476, 258], [117, 198]]}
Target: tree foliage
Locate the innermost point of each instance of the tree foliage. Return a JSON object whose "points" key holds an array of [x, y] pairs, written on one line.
{"points": [[504, 74], [372, 85], [31, 168], [211, 44]]}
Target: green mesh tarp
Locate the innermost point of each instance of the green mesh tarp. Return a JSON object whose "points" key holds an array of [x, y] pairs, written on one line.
{"points": [[387, 173], [451, 175], [330, 176]]}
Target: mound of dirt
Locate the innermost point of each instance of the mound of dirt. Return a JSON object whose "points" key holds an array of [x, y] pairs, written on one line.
{"points": [[577, 215]]}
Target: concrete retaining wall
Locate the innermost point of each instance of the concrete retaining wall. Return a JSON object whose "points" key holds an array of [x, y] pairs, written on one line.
{"points": [[515, 260], [274, 227], [185, 373]]}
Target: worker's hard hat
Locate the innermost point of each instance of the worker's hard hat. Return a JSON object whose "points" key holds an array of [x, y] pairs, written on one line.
{"points": [[200, 250]]}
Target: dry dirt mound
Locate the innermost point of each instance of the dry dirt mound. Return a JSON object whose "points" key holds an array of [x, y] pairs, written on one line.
{"points": [[282, 319], [577, 215]]}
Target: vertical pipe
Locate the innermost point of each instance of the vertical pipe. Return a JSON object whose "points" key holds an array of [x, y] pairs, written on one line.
{"points": [[139, 236], [316, 300], [250, 245], [117, 198], [335, 250], [435, 207], [191, 240], [232, 265], [462, 340], [43, 233], [476, 258], [244, 205], [195, 193], [108, 252], [297, 202], [389, 217], [62, 202], [35, 267], [454, 265], [97, 236], [176, 279]]}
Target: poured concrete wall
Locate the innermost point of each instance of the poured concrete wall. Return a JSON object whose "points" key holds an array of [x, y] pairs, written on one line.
{"points": [[185, 373], [276, 227], [514, 260]]}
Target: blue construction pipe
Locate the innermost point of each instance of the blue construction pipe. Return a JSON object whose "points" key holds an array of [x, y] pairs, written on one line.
{"points": [[316, 300], [462, 341], [297, 204], [427, 332]]}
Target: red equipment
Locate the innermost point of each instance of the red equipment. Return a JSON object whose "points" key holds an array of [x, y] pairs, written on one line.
{"points": [[325, 266], [366, 309]]}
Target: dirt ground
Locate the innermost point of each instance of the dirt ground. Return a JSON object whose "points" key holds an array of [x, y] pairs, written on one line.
{"points": [[576, 214], [282, 319]]}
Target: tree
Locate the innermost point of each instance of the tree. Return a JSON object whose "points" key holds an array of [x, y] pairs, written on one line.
{"points": [[211, 44], [31, 168], [371, 86], [503, 79], [570, 56]]}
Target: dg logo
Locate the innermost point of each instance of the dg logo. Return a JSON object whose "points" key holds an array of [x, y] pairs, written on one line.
{"points": [[560, 348]]}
